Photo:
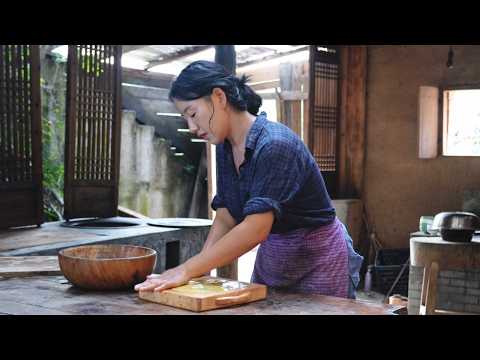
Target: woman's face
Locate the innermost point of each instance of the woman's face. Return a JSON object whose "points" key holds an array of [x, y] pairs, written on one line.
{"points": [[206, 117]]}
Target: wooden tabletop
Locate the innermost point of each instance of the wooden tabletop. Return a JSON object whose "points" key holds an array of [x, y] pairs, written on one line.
{"points": [[18, 266], [52, 295]]}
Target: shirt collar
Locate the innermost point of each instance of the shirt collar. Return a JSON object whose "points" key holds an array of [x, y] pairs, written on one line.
{"points": [[255, 130], [253, 134]]}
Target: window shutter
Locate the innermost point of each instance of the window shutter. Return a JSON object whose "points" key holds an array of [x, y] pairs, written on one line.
{"points": [[21, 201], [92, 139], [324, 111]]}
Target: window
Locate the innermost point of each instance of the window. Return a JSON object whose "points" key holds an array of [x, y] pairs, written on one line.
{"points": [[461, 134]]}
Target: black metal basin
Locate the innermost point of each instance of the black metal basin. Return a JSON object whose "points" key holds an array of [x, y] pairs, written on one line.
{"points": [[107, 223]]}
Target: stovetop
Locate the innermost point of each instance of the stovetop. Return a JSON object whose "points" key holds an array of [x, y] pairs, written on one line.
{"points": [[424, 234]]}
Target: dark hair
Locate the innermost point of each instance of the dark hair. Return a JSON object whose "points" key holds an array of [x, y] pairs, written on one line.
{"points": [[199, 79]]}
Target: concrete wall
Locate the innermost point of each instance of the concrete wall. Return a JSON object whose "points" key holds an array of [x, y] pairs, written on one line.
{"points": [[399, 187], [147, 102], [152, 181]]}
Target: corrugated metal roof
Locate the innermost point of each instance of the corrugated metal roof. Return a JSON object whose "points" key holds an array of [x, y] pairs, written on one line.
{"points": [[150, 53], [171, 59], [154, 56]]}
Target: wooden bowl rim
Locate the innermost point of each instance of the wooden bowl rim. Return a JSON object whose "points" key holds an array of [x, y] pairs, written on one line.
{"points": [[153, 253]]}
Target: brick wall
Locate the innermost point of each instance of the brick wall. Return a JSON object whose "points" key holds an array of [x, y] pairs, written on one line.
{"points": [[456, 290]]}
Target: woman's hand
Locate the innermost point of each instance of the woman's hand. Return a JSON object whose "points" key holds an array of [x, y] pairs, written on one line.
{"points": [[166, 280]]}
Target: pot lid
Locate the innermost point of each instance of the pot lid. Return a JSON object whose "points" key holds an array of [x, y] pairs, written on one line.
{"points": [[456, 220], [180, 222]]}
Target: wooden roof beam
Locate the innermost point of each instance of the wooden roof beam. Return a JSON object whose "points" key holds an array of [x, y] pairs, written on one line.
{"points": [[270, 57], [146, 78], [177, 56]]}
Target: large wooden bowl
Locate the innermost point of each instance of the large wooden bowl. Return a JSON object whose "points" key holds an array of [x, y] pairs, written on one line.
{"points": [[107, 267]]}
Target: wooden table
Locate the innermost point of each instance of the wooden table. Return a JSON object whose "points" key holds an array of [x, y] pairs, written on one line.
{"points": [[19, 266], [52, 295]]}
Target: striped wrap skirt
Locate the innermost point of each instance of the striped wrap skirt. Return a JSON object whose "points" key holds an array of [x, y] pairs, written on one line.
{"points": [[305, 261]]}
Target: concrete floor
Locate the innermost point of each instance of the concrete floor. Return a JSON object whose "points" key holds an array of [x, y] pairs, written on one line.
{"points": [[370, 296]]}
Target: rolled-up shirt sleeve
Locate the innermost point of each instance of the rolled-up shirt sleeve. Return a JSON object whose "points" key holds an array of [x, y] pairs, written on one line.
{"points": [[218, 202], [278, 176]]}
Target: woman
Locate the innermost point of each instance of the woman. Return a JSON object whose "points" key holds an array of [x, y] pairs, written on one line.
{"points": [[269, 191]]}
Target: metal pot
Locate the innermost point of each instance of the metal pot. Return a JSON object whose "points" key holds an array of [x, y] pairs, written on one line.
{"points": [[456, 226]]}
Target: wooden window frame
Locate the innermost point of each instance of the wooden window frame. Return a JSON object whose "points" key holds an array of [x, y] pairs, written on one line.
{"points": [[443, 115]]}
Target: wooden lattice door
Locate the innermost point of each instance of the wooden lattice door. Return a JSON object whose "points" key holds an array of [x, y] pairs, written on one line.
{"points": [[324, 112], [92, 141], [21, 201]]}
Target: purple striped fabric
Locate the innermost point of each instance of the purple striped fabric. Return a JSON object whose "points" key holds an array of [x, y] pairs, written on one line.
{"points": [[305, 261]]}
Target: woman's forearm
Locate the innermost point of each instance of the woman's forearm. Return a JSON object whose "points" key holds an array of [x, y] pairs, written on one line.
{"points": [[218, 230], [242, 238], [222, 224]]}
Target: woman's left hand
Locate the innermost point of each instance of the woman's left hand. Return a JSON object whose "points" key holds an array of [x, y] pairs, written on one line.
{"points": [[171, 278]]}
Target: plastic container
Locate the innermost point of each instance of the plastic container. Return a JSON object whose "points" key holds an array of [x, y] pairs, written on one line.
{"points": [[425, 223]]}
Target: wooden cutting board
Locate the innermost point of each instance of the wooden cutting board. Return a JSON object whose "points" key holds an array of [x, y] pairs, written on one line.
{"points": [[207, 293], [19, 266]]}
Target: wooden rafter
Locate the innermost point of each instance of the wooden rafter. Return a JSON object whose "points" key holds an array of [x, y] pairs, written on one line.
{"points": [[146, 78], [270, 57], [177, 55]]}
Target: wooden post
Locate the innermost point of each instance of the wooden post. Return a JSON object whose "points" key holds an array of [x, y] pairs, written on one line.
{"points": [[306, 104], [210, 169], [291, 96], [351, 130], [225, 55], [197, 189], [351, 148], [428, 298], [37, 170]]}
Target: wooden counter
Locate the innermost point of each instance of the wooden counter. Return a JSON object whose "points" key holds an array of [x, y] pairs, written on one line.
{"points": [[52, 295]]}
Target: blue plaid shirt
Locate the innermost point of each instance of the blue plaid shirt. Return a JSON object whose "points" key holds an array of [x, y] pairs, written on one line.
{"points": [[279, 173]]}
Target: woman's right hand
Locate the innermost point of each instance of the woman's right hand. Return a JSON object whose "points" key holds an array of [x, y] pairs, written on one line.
{"points": [[171, 278]]}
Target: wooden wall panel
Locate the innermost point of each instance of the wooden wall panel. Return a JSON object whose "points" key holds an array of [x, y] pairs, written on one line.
{"points": [[324, 112], [92, 140], [21, 201]]}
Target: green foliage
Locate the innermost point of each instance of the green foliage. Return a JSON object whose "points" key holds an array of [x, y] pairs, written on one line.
{"points": [[52, 173], [49, 214], [53, 170], [11, 54], [90, 65], [53, 130]]}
